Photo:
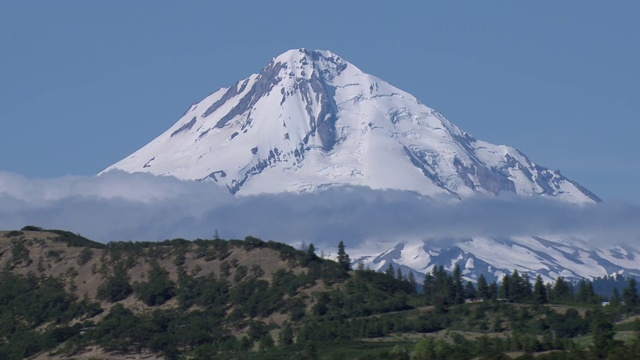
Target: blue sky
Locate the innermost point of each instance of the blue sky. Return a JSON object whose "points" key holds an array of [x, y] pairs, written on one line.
{"points": [[84, 84]]}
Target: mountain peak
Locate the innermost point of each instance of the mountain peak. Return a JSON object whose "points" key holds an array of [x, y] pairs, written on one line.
{"points": [[310, 120], [308, 55], [306, 64]]}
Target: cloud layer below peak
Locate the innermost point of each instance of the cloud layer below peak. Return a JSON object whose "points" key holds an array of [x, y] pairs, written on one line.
{"points": [[121, 206]]}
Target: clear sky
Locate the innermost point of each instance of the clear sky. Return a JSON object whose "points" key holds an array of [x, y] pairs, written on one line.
{"points": [[85, 83]]}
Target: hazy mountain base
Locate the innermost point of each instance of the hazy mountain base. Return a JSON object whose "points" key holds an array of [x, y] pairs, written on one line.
{"points": [[64, 296]]}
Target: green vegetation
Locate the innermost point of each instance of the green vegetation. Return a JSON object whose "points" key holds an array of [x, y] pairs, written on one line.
{"points": [[76, 240], [203, 300], [28, 303], [32, 228], [117, 286]]}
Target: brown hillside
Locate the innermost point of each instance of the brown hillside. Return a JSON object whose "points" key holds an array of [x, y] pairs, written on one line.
{"points": [[242, 287], [85, 269]]}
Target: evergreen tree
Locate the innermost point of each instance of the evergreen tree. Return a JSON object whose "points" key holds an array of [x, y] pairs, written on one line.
{"points": [[458, 288], [428, 288], [343, 257], [311, 251], [615, 298], [592, 297], [483, 288], [527, 290], [515, 288], [585, 293], [470, 291], [390, 270], [602, 333], [503, 292], [442, 292], [493, 291], [539, 292], [561, 291], [519, 287], [412, 280], [630, 294]]}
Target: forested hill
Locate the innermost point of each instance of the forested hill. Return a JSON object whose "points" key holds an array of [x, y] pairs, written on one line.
{"points": [[172, 297], [67, 297]]}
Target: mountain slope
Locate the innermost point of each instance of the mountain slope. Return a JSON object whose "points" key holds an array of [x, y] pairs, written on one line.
{"points": [[310, 119], [495, 257]]}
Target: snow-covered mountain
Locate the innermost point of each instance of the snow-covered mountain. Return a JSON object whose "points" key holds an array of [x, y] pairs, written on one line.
{"points": [[310, 120], [495, 257]]}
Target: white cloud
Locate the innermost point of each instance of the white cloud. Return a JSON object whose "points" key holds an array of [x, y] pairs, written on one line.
{"points": [[120, 206]]}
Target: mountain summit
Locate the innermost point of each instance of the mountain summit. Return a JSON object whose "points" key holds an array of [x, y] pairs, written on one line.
{"points": [[310, 120]]}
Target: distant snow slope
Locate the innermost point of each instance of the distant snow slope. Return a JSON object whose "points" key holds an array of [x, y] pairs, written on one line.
{"points": [[310, 120], [495, 257]]}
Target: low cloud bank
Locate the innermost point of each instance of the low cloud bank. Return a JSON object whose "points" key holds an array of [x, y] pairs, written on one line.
{"points": [[120, 206]]}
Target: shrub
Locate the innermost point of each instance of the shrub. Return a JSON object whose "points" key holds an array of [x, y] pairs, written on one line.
{"points": [[32, 228], [13, 233], [117, 287], [158, 289]]}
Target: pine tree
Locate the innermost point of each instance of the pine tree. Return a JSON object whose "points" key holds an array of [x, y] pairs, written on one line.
{"points": [[343, 257], [519, 287], [526, 286], [442, 286], [562, 291], [469, 291], [615, 298], [585, 293], [539, 292], [483, 288], [311, 251], [412, 280], [428, 288], [592, 298], [390, 270], [458, 288], [515, 290], [602, 333], [493, 291], [630, 294], [581, 295], [504, 291]]}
